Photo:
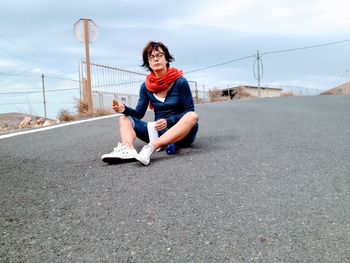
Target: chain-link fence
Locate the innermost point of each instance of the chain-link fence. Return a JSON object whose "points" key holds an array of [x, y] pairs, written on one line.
{"points": [[109, 82], [37, 95], [300, 91], [44, 96]]}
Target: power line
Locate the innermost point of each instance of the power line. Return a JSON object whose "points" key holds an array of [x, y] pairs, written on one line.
{"points": [[18, 46], [306, 47], [273, 52], [47, 76], [18, 58], [37, 61], [220, 64]]}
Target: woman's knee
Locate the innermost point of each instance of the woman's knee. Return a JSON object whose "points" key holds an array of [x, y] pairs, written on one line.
{"points": [[192, 117], [124, 120]]}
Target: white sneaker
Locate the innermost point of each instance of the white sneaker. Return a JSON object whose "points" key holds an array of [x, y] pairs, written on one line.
{"points": [[121, 153], [144, 155]]}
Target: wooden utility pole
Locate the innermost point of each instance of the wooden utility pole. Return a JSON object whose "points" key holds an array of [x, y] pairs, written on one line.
{"points": [[88, 76]]}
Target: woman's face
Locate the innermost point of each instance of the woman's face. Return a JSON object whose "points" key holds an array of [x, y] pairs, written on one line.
{"points": [[157, 61]]}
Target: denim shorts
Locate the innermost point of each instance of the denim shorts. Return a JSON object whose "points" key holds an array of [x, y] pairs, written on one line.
{"points": [[140, 128]]}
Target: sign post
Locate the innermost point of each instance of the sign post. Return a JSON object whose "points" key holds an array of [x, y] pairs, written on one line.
{"points": [[86, 31]]}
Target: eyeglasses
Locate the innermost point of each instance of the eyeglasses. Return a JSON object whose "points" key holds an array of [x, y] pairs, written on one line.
{"points": [[157, 55]]}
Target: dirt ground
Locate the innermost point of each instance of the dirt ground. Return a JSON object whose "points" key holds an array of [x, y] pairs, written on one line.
{"points": [[9, 122]]}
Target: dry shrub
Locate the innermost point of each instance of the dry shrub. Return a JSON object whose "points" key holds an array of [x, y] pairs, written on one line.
{"points": [[201, 101], [82, 108], [65, 115], [241, 93], [327, 93], [287, 94], [4, 130], [102, 112], [216, 95], [244, 93], [332, 92], [81, 112]]}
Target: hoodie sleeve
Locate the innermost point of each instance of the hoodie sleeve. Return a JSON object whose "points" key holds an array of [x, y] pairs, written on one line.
{"points": [[142, 105], [187, 103]]}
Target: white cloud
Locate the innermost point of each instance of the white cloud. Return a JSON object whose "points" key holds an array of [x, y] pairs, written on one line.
{"points": [[298, 17], [8, 63], [200, 33]]}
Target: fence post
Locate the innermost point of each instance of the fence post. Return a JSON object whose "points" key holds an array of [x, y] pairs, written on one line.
{"points": [[44, 97], [196, 91], [80, 78], [84, 90]]}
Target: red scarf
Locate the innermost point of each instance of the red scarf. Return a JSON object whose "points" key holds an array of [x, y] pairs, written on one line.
{"points": [[155, 84]]}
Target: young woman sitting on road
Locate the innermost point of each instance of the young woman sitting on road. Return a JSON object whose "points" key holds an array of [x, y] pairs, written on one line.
{"points": [[168, 93]]}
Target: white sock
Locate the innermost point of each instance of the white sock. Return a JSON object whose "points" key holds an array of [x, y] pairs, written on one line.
{"points": [[152, 132]]}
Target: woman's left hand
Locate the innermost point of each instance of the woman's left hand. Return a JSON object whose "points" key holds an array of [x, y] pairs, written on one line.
{"points": [[161, 124]]}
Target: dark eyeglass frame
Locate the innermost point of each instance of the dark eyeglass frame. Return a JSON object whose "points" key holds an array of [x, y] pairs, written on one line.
{"points": [[157, 55]]}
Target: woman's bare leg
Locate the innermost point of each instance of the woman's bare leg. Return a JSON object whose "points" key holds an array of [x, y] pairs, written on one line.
{"points": [[178, 131], [127, 133]]}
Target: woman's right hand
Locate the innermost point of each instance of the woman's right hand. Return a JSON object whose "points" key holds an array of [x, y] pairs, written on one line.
{"points": [[117, 107], [160, 124]]}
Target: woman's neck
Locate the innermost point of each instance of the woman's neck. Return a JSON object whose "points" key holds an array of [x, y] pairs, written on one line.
{"points": [[160, 73]]}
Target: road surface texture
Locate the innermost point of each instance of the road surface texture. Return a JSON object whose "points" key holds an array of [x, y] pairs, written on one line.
{"points": [[266, 181]]}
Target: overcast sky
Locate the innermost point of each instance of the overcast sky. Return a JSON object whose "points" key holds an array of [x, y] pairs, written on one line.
{"points": [[37, 36]]}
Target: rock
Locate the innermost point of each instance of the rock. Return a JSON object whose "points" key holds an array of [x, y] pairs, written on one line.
{"points": [[25, 123], [48, 123], [41, 121]]}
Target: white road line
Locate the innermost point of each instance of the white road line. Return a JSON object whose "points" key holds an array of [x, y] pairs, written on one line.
{"points": [[55, 126]]}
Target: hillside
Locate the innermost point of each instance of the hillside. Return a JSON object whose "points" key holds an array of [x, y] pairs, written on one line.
{"points": [[339, 90]]}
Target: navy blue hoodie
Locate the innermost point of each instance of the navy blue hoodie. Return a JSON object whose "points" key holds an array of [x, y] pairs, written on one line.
{"points": [[178, 102]]}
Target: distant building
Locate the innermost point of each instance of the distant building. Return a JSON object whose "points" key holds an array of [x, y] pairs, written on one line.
{"points": [[251, 92]]}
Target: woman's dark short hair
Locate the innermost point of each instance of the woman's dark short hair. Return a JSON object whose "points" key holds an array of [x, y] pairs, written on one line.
{"points": [[147, 51]]}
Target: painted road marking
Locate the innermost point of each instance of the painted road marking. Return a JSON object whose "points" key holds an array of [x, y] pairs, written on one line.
{"points": [[55, 126]]}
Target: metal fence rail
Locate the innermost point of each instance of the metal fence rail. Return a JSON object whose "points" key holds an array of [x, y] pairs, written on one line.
{"points": [[109, 83], [112, 79]]}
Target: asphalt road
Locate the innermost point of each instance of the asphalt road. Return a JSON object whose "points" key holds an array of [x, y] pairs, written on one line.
{"points": [[266, 181]]}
